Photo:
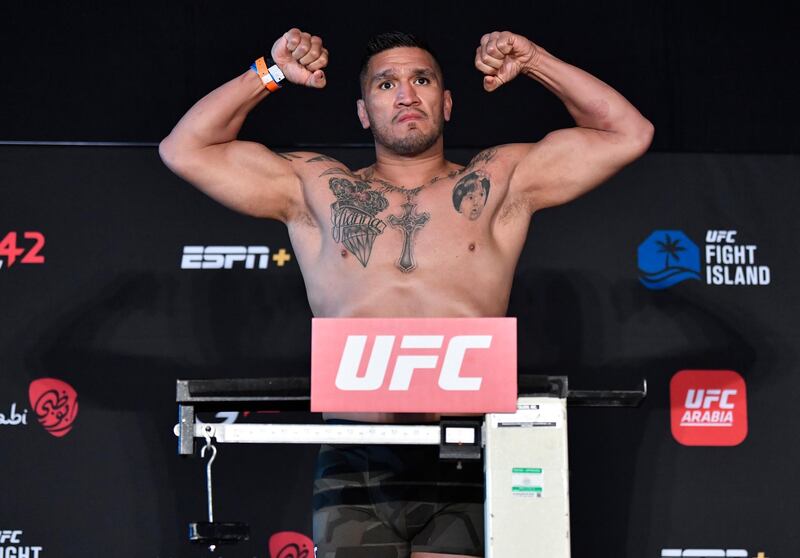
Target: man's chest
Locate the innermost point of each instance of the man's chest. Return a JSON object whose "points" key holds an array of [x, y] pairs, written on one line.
{"points": [[378, 223]]}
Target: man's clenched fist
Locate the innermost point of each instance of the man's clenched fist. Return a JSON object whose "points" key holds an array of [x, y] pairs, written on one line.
{"points": [[502, 56], [301, 57]]}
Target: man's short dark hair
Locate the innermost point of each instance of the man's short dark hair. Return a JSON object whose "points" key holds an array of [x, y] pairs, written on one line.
{"points": [[393, 39]]}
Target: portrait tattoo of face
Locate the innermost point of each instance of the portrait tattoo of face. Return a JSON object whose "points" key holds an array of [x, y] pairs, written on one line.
{"points": [[470, 194], [353, 216]]}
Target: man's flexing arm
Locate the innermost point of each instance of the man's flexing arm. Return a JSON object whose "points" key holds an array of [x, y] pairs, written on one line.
{"points": [[567, 163], [245, 176]]}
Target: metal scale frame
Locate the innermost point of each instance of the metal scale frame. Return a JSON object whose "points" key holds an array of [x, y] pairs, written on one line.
{"points": [[524, 453]]}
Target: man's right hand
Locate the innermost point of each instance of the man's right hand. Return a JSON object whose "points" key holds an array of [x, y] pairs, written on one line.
{"points": [[301, 57]]}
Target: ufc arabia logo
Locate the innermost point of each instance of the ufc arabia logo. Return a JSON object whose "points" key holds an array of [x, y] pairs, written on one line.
{"points": [[403, 366], [708, 407]]}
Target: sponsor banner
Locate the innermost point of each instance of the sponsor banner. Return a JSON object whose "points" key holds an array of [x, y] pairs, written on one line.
{"points": [[55, 404], [228, 257], [290, 544], [708, 408], [433, 365], [12, 545], [53, 401], [21, 248], [668, 257], [14, 417]]}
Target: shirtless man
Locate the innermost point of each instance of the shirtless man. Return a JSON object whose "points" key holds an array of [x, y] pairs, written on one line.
{"points": [[399, 238]]}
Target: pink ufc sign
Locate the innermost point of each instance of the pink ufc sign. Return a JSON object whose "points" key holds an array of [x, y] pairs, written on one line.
{"points": [[414, 365]]}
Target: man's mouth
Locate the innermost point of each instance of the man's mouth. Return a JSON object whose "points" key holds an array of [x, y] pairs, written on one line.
{"points": [[410, 116]]}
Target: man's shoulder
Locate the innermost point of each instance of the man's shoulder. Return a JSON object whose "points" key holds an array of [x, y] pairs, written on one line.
{"points": [[311, 166], [307, 158], [499, 157]]}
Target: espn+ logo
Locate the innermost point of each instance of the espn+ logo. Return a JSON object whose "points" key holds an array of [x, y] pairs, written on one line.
{"points": [[226, 257], [708, 408], [380, 358]]}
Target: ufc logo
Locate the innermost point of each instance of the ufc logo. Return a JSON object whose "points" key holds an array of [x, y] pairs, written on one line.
{"points": [[347, 378], [223, 257], [703, 398], [721, 236], [10, 536]]}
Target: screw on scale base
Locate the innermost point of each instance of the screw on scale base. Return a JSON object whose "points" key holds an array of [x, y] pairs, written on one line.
{"points": [[209, 532]]}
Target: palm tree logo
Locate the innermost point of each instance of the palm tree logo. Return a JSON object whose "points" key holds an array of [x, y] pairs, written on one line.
{"points": [[671, 248], [667, 257]]}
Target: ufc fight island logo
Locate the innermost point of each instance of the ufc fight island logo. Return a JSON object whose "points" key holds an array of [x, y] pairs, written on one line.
{"points": [[414, 365], [226, 257], [708, 408], [11, 545], [668, 257]]}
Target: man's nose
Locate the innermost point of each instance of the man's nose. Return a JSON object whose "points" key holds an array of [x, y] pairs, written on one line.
{"points": [[406, 94]]}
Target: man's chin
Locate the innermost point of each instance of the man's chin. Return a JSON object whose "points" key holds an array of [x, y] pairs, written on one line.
{"points": [[412, 144]]}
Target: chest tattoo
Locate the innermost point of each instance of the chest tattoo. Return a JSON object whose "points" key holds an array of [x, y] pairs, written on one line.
{"points": [[471, 192], [408, 223], [354, 215]]}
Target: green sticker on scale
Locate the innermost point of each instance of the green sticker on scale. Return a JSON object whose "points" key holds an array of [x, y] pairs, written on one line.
{"points": [[527, 481]]}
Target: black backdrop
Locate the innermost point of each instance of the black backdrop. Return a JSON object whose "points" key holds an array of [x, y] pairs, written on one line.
{"points": [[111, 312], [713, 76]]}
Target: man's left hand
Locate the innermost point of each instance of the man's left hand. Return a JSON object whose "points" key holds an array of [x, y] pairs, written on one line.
{"points": [[502, 56]]}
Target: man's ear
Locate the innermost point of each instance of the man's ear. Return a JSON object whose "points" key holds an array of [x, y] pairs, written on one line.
{"points": [[448, 104], [362, 113]]}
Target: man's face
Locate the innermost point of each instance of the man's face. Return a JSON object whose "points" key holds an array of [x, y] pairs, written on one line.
{"points": [[404, 104]]}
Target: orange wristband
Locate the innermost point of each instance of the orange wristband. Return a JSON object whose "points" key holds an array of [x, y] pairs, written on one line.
{"points": [[269, 80]]}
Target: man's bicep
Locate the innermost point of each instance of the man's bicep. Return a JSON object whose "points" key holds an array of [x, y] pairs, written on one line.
{"points": [[244, 176], [568, 163]]}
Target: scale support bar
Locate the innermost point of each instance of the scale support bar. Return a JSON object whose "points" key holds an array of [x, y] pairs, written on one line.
{"points": [[387, 434]]}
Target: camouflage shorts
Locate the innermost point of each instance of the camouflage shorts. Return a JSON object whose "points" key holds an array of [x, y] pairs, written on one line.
{"points": [[388, 501]]}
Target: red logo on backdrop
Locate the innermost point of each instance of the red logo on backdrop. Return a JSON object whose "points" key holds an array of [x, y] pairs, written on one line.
{"points": [[708, 407], [55, 403], [288, 544], [434, 365], [13, 251]]}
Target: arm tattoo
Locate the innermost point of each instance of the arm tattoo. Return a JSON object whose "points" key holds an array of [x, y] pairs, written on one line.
{"points": [[319, 158], [288, 156], [481, 158]]}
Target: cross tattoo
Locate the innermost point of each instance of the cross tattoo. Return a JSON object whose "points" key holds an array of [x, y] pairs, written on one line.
{"points": [[410, 222]]}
